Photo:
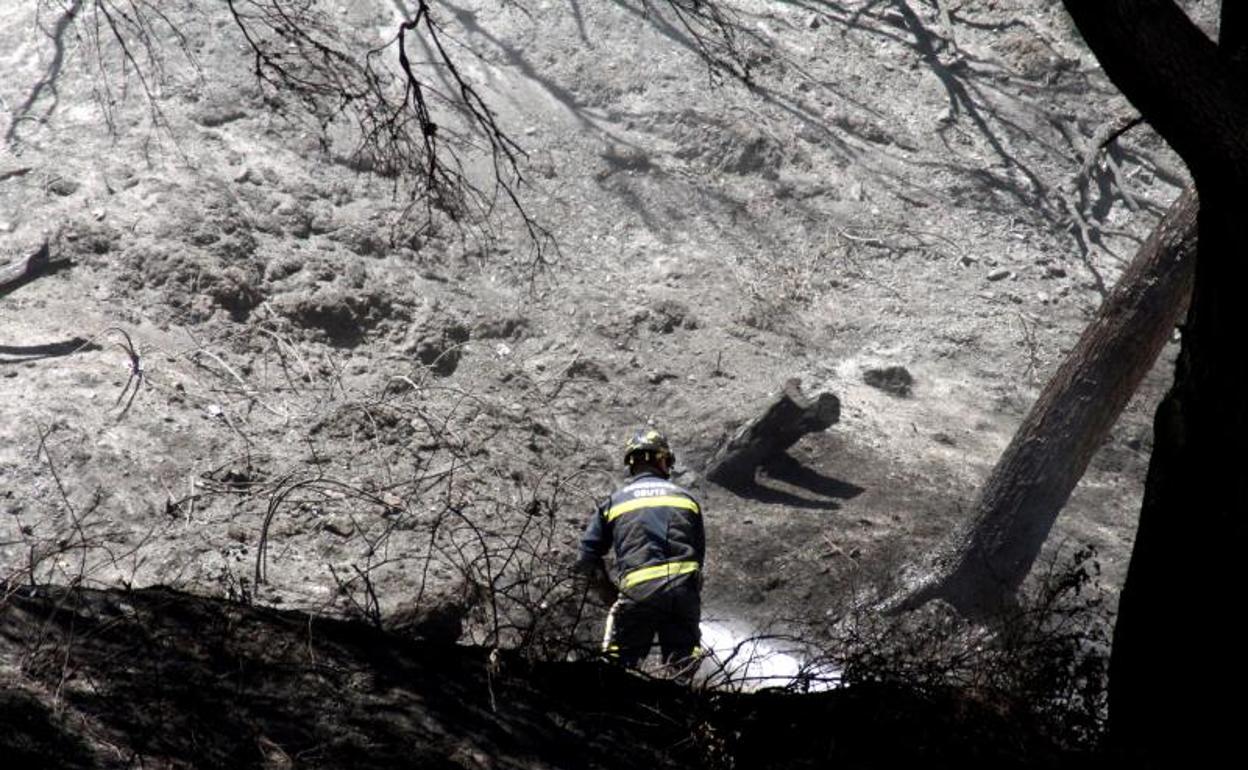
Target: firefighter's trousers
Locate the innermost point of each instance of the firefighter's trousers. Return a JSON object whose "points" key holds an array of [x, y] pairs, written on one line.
{"points": [[669, 608]]}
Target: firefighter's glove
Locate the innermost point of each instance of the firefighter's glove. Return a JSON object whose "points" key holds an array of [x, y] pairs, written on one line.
{"points": [[604, 589], [592, 578]]}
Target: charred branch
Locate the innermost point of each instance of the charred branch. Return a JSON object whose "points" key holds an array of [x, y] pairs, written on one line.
{"points": [[1174, 75]]}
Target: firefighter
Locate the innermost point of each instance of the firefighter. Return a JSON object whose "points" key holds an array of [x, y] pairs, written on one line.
{"points": [[655, 529]]}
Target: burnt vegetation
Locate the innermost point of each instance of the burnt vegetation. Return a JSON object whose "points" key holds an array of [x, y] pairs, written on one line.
{"points": [[488, 654]]}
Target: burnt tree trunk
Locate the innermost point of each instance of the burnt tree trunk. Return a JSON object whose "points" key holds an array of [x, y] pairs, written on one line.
{"points": [[1020, 501], [786, 419], [1177, 667]]}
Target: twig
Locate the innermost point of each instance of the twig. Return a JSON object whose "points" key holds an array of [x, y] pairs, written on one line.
{"points": [[246, 389]]}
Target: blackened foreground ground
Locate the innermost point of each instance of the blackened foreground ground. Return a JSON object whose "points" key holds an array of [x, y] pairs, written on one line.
{"points": [[156, 678]]}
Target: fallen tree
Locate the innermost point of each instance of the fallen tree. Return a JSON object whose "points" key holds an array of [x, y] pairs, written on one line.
{"points": [[982, 568]]}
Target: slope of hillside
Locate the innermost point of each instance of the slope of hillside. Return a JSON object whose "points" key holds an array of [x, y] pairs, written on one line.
{"points": [[338, 407]]}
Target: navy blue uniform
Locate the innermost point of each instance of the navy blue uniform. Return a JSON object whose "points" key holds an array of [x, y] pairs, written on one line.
{"points": [[655, 528]]}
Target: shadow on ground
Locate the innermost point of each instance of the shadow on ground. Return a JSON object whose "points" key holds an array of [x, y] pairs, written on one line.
{"points": [[159, 678], [786, 481]]}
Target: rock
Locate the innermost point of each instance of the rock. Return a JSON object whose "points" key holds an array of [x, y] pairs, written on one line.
{"points": [[544, 165], [322, 221], [63, 187], [216, 109], [438, 342], [282, 267], [343, 315], [896, 380], [586, 369], [212, 118], [625, 159], [356, 275], [441, 624], [999, 274], [364, 240], [1030, 56], [438, 619], [895, 18], [234, 289], [863, 127], [668, 315], [756, 154], [510, 327], [339, 526]]}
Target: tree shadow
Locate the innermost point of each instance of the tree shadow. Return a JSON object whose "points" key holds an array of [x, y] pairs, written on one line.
{"points": [[36, 737], [17, 354], [987, 101], [789, 470], [514, 57], [201, 682], [49, 80], [980, 93]]}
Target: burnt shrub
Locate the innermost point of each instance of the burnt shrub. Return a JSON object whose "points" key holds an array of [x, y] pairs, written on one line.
{"points": [[1040, 667]]}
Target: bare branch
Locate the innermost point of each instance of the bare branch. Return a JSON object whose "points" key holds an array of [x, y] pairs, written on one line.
{"points": [[407, 130]]}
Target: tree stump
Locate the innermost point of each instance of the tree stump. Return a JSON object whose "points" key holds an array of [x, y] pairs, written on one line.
{"points": [[25, 269], [786, 419]]}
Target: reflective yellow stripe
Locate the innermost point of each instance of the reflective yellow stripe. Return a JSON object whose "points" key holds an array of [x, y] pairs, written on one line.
{"points": [[645, 574], [665, 501], [608, 632]]}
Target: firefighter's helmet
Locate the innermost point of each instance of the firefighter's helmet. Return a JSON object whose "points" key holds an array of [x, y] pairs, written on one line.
{"points": [[648, 445]]}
